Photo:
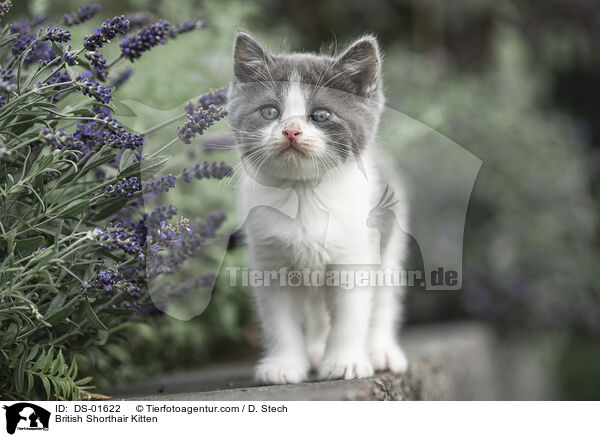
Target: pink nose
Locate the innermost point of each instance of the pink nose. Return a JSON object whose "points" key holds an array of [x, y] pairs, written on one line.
{"points": [[292, 133]]}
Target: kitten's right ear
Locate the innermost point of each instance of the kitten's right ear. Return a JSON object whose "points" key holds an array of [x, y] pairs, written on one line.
{"points": [[249, 56]]}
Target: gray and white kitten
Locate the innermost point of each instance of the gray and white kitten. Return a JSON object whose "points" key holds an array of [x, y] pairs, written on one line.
{"points": [[306, 125]]}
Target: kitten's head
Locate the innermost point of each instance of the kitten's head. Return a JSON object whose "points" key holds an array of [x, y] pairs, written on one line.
{"points": [[296, 116]]}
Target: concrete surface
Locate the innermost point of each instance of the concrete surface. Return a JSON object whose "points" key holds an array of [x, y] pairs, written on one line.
{"points": [[458, 361]]}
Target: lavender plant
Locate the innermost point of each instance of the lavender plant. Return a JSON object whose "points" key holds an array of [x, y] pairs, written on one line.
{"points": [[76, 249]]}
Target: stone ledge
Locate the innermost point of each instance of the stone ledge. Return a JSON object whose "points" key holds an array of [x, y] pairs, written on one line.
{"points": [[455, 361]]}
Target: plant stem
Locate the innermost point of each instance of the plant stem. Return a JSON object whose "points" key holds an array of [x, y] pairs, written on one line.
{"points": [[163, 148], [163, 124]]}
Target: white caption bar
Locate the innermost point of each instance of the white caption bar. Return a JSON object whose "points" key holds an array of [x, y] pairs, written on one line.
{"points": [[249, 418]]}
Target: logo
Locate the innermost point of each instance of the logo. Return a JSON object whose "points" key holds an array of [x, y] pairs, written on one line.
{"points": [[26, 416]]}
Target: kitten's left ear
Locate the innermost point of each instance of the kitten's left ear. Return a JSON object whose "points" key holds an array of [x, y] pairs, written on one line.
{"points": [[249, 56], [361, 62]]}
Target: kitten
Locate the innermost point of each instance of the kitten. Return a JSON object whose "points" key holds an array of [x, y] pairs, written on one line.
{"points": [[305, 125]]}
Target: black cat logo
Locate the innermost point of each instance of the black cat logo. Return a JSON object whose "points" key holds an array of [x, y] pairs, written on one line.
{"points": [[26, 416]]}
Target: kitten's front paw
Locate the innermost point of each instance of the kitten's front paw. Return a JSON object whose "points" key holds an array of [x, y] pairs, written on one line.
{"points": [[281, 371], [345, 368], [390, 358]]}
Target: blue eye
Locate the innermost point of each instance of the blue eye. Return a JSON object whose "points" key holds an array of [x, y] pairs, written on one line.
{"points": [[269, 113], [320, 115]]}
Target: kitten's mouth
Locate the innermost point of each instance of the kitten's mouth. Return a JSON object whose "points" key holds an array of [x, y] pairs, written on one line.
{"points": [[292, 148]]}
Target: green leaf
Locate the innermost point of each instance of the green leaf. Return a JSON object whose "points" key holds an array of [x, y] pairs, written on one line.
{"points": [[58, 364], [20, 373], [117, 311], [33, 352], [29, 244], [84, 380], [55, 305], [92, 317], [57, 235], [72, 372], [72, 74], [48, 360], [58, 49], [115, 206], [46, 385], [75, 207], [127, 159], [30, 383], [10, 241], [60, 316], [99, 160], [145, 169], [39, 363]]}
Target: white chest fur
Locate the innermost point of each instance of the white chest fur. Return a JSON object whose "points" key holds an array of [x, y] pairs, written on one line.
{"points": [[308, 225]]}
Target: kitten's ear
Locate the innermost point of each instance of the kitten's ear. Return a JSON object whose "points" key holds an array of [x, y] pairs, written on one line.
{"points": [[361, 62], [249, 56]]}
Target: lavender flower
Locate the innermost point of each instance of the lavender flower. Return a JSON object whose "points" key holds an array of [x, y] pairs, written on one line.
{"points": [[186, 26], [58, 77], [92, 135], [39, 50], [98, 64], [93, 89], [69, 58], [5, 7], [121, 78], [56, 34], [116, 284], [188, 246], [100, 110], [140, 19], [118, 135], [20, 27], [106, 32], [119, 236], [206, 171], [152, 35], [123, 188], [104, 282], [158, 215], [82, 14], [160, 185], [167, 234], [7, 80], [199, 121], [213, 97]]}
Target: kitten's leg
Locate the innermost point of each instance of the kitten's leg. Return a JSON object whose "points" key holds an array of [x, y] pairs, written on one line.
{"points": [[285, 360], [384, 349], [346, 353], [317, 326]]}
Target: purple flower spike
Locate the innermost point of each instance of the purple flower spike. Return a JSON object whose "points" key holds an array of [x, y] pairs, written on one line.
{"points": [[93, 89], [106, 32], [56, 34], [98, 64], [206, 171], [123, 188], [160, 185], [82, 14], [151, 36], [199, 121], [213, 97]]}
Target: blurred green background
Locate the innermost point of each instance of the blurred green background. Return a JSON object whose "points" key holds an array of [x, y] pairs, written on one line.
{"points": [[516, 83]]}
